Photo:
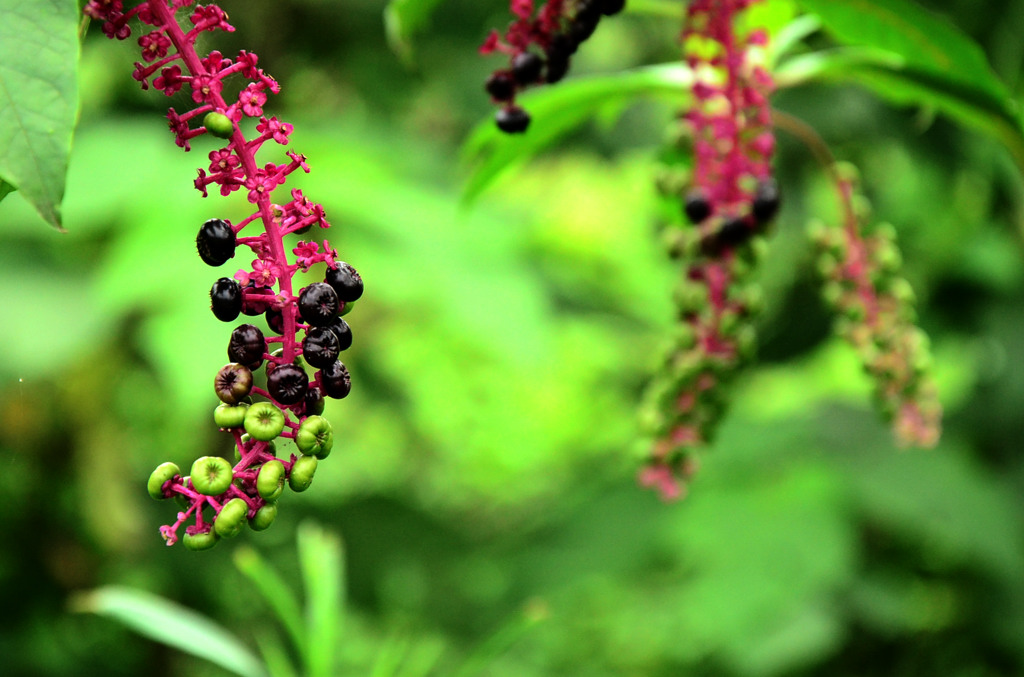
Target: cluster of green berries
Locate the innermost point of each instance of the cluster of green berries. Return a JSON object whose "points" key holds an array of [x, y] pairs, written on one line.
{"points": [[874, 306], [248, 491], [539, 49]]}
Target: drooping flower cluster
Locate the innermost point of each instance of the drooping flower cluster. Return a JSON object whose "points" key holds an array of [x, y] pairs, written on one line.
{"points": [[875, 314], [539, 48], [728, 200], [220, 497]]}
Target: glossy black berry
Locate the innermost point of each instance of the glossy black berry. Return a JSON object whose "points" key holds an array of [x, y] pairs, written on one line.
{"points": [[347, 283], [320, 348], [216, 242], [318, 304], [343, 332], [287, 384], [526, 68], [275, 320], [335, 381], [766, 201], [247, 346], [314, 402], [226, 299], [501, 86], [558, 53], [512, 120], [696, 207], [255, 307], [610, 7], [734, 232], [585, 22]]}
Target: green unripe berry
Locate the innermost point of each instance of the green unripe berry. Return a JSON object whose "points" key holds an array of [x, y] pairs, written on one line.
{"points": [[228, 416], [201, 541], [263, 421], [231, 518], [346, 308], [302, 473], [270, 480], [211, 475], [160, 476], [315, 437], [264, 517], [219, 125]]}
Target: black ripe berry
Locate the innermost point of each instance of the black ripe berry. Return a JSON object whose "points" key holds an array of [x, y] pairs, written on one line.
{"points": [[584, 23], [247, 346], [558, 53], [501, 86], [287, 384], [318, 304], [275, 320], [766, 201], [226, 299], [343, 332], [216, 242], [526, 68], [512, 120], [696, 207], [314, 401], [610, 7], [347, 283], [335, 381], [734, 232], [320, 348]]}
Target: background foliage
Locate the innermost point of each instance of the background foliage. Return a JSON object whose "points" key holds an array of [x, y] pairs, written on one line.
{"points": [[484, 468]]}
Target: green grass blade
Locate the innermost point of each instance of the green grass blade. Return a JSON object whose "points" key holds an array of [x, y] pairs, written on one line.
{"points": [[172, 624], [322, 565], [275, 591]]}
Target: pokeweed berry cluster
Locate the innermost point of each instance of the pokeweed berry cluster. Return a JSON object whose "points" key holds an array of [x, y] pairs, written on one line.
{"points": [[219, 497], [874, 305], [539, 46], [727, 201]]}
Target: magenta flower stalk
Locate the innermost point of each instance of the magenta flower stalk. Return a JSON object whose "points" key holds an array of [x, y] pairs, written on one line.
{"points": [[217, 497], [730, 200]]}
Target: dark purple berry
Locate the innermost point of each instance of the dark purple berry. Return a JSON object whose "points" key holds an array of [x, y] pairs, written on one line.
{"points": [[584, 23], [253, 307], [318, 304], [216, 242], [314, 402], [287, 384], [275, 320], [501, 86], [512, 120], [247, 346], [321, 347], [696, 207], [232, 383], [558, 53], [766, 201], [343, 333], [335, 381], [226, 299], [347, 283], [735, 232], [610, 7], [526, 68]]}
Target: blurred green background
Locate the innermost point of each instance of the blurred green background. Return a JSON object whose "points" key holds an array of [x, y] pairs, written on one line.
{"points": [[485, 460]]}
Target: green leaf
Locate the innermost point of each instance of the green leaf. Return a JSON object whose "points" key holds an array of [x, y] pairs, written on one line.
{"points": [[174, 625], [38, 99], [555, 111], [5, 189], [320, 558], [892, 78], [275, 591], [923, 40], [402, 18]]}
